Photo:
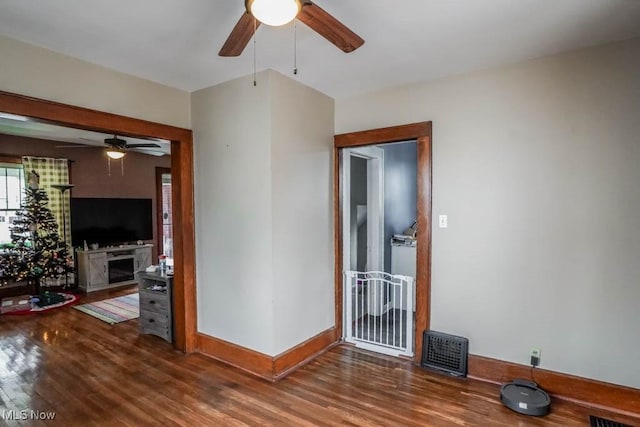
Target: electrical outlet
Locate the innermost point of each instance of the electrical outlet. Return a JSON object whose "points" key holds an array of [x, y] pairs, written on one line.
{"points": [[535, 357]]}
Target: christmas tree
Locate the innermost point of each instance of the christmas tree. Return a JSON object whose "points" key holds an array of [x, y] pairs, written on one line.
{"points": [[38, 252]]}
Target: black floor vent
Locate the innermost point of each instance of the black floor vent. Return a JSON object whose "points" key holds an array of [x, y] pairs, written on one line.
{"points": [[445, 353], [603, 422]]}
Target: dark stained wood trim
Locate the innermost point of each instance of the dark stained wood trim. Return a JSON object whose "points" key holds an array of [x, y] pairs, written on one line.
{"points": [[383, 135], [251, 361], [159, 172], [587, 392], [292, 359], [85, 118], [423, 249], [270, 368], [422, 133], [185, 308], [181, 160], [4, 158]]}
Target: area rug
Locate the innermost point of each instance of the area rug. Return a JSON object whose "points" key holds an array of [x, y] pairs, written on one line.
{"points": [[25, 307], [113, 310]]}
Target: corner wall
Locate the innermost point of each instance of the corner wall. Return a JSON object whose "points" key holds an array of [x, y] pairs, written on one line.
{"points": [[232, 163], [301, 194], [536, 165], [263, 215]]}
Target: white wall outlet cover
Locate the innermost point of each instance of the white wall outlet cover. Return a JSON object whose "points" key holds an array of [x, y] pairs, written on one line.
{"points": [[442, 221], [535, 357]]}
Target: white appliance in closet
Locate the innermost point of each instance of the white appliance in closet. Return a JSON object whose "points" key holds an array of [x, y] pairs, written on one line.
{"points": [[403, 259], [403, 262]]}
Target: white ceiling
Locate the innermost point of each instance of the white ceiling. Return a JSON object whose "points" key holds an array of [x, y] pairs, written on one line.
{"points": [[175, 42]]}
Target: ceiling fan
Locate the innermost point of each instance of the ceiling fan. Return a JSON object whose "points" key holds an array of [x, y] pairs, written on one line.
{"points": [[280, 12], [117, 147]]}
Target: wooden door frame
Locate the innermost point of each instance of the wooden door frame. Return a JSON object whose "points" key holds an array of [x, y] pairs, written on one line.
{"points": [[184, 293], [421, 132], [159, 220]]}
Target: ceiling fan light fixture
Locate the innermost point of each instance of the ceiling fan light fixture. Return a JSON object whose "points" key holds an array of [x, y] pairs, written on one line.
{"points": [[274, 12], [115, 154]]}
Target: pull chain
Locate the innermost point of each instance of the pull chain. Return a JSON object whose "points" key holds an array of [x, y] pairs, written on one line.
{"points": [[109, 166], [295, 48], [255, 28]]}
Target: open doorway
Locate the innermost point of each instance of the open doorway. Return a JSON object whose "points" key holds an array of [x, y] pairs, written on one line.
{"points": [[182, 188], [421, 133], [379, 256]]}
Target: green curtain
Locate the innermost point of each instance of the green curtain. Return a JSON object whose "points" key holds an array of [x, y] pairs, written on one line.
{"points": [[53, 172]]}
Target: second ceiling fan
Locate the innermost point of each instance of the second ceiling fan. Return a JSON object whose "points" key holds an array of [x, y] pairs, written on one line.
{"points": [[117, 147], [268, 12]]}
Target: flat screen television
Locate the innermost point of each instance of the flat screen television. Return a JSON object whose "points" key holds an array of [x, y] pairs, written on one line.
{"points": [[110, 221]]}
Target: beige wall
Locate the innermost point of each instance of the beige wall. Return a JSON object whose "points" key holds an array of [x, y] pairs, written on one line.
{"points": [[29, 70], [232, 166], [89, 172], [263, 212], [536, 165], [302, 202]]}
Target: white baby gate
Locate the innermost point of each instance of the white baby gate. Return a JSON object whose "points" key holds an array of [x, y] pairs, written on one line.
{"points": [[379, 312]]}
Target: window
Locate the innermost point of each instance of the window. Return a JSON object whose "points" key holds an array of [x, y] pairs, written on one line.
{"points": [[11, 186]]}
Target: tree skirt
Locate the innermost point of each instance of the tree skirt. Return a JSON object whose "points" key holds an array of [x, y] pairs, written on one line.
{"points": [[33, 308]]}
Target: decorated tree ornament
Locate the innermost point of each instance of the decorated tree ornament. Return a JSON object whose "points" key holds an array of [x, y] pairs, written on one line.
{"points": [[38, 251]]}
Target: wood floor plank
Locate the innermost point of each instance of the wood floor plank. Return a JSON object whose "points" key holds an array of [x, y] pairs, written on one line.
{"points": [[94, 374]]}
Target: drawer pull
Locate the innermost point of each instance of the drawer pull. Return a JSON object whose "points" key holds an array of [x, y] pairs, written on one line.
{"points": [[152, 302], [151, 320]]}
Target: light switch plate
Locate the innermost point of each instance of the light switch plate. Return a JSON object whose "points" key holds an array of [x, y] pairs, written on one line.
{"points": [[442, 221]]}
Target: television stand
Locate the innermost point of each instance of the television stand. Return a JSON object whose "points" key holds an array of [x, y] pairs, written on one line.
{"points": [[111, 267]]}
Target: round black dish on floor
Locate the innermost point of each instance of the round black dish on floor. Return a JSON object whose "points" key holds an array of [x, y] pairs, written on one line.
{"points": [[525, 397]]}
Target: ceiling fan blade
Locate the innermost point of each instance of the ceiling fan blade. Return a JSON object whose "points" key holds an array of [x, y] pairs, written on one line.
{"points": [[240, 36], [150, 152], [150, 145], [329, 27], [76, 146]]}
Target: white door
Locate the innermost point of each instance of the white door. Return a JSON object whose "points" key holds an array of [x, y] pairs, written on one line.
{"points": [[369, 209]]}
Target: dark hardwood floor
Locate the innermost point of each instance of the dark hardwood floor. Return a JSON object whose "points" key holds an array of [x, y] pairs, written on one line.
{"points": [[92, 374]]}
